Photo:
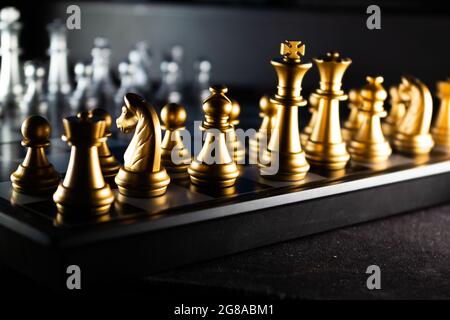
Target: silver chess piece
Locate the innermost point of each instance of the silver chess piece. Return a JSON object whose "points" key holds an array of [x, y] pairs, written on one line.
{"points": [[81, 99], [58, 74], [127, 82], [146, 56], [202, 80], [141, 77], [11, 88], [103, 87], [34, 101], [58, 84], [171, 87]]}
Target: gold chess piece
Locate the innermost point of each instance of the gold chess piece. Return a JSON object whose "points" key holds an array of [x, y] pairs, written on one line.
{"points": [[353, 122], [234, 144], [396, 114], [284, 158], [214, 166], [174, 156], [108, 162], [325, 147], [314, 105], [142, 174], [413, 133], [268, 113], [35, 175], [369, 144], [441, 128], [84, 192]]}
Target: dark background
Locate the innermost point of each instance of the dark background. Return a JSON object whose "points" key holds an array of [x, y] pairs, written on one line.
{"points": [[240, 37]]}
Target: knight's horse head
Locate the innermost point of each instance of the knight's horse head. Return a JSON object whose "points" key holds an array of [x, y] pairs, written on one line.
{"points": [[128, 119], [144, 151]]}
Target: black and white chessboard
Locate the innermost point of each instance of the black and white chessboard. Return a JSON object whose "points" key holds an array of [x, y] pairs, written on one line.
{"points": [[143, 236]]}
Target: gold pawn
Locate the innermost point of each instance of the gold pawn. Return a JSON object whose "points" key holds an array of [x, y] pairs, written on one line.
{"points": [[284, 158], [413, 133], [84, 192], [173, 117], [353, 122], [441, 128], [268, 113], [313, 106], [234, 144], [108, 162], [369, 144], [396, 114], [213, 166], [35, 175], [325, 147]]}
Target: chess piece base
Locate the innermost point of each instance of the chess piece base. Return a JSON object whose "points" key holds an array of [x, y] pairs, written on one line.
{"points": [[327, 156], [348, 133], [413, 145], [142, 184], [388, 129], [441, 139], [109, 166], [214, 175], [371, 153], [304, 136], [292, 166], [91, 203], [40, 181], [170, 166]]}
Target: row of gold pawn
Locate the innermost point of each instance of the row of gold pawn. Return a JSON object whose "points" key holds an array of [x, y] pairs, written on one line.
{"points": [[86, 192]]}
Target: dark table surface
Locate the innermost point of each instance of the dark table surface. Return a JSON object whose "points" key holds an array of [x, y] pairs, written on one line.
{"points": [[412, 250]]}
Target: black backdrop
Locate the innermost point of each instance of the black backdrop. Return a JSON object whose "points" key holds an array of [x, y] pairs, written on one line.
{"points": [[240, 37]]}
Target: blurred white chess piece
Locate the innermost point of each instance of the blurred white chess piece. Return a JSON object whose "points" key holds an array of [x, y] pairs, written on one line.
{"points": [[58, 73], [11, 88], [34, 100], [81, 99], [127, 82], [171, 86], [103, 85]]}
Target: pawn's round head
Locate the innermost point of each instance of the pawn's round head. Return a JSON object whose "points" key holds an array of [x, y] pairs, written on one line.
{"points": [[354, 96], [36, 130], [103, 114], [373, 90], [267, 108], [173, 116], [217, 103], [217, 108], [235, 112]]}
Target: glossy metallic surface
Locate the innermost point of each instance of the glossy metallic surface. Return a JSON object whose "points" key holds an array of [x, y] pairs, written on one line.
{"points": [[142, 174], [173, 117], [413, 133], [284, 150], [441, 127], [325, 147], [35, 175], [84, 192], [214, 167], [369, 145]]}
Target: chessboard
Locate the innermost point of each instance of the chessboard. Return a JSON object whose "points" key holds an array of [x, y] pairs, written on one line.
{"points": [[186, 225]]}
